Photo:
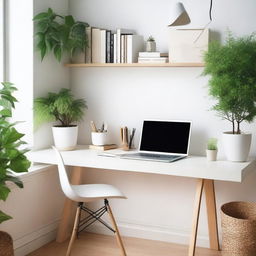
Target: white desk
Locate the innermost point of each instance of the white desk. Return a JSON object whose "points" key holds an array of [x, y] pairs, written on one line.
{"points": [[193, 166]]}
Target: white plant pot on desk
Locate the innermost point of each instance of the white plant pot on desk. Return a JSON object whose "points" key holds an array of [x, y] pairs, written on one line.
{"points": [[65, 138], [237, 146]]}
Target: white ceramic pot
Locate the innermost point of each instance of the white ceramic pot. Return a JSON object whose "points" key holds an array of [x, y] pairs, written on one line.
{"points": [[65, 138], [99, 138], [211, 155], [237, 146], [150, 46]]}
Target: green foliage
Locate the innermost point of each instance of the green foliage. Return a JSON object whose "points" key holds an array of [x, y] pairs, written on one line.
{"points": [[232, 67], [212, 144], [12, 159], [151, 39], [60, 107], [59, 34]]}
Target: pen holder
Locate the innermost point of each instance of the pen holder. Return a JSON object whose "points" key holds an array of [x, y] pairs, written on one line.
{"points": [[126, 139], [99, 138]]}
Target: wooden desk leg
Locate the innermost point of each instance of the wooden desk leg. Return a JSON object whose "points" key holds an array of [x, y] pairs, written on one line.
{"points": [[211, 214], [198, 199], [69, 205]]}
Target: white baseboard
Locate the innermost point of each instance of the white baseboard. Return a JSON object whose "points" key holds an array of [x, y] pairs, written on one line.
{"points": [[32, 241], [159, 233]]}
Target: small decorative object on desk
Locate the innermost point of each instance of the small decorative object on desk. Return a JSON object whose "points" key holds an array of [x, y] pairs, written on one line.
{"points": [[151, 44], [126, 139], [99, 136], [212, 149]]}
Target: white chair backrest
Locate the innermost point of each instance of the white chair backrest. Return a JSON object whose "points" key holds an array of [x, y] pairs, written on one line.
{"points": [[64, 181]]}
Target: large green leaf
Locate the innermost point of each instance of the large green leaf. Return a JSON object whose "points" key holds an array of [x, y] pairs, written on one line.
{"points": [[15, 180], [19, 164], [4, 192], [4, 217]]}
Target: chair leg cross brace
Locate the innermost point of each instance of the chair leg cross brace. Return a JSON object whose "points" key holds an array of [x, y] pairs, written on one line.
{"points": [[81, 224], [93, 216]]}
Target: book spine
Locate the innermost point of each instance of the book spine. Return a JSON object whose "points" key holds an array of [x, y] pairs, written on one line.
{"points": [[103, 46], [96, 45], [108, 46], [111, 48], [115, 49], [122, 48], [118, 46], [88, 50], [125, 48]]}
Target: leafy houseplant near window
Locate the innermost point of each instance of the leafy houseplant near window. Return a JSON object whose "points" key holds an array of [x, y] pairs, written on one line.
{"points": [[63, 108], [12, 158], [59, 34], [232, 67]]}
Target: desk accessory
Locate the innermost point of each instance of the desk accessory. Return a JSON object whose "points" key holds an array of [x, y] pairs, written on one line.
{"points": [[126, 139], [103, 147], [212, 149]]}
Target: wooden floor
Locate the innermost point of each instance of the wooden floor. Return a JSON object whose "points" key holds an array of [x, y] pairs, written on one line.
{"points": [[90, 244]]}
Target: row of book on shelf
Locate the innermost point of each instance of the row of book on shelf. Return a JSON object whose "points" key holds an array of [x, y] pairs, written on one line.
{"points": [[121, 46]]}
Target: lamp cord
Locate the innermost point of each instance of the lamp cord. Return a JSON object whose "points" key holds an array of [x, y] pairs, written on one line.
{"points": [[210, 11], [210, 15]]}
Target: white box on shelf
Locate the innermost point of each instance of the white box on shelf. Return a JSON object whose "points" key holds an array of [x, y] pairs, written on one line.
{"points": [[188, 45]]}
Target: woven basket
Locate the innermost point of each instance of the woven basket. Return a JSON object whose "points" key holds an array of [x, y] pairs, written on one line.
{"points": [[238, 221], [6, 244]]}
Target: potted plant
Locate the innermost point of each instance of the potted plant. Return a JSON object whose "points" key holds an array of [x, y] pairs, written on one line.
{"points": [[63, 108], [12, 158], [212, 149], [232, 84], [59, 34], [151, 44]]}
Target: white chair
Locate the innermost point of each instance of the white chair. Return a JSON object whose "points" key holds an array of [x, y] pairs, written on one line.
{"points": [[87, 193]]}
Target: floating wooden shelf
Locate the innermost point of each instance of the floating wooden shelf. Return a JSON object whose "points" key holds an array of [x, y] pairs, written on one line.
{"points": [[87, 65]]}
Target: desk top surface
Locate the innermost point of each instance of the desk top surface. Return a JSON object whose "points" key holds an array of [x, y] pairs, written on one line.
{"points": [[192, 166]]}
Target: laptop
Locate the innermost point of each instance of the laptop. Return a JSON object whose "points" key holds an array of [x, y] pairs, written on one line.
{"points": [[163, 141]]}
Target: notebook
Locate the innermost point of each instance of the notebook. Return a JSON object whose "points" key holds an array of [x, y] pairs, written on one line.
{"points": [[164, 141]]}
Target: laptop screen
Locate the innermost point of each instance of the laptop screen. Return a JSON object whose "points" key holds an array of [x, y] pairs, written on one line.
{"points": [[165, 136]]}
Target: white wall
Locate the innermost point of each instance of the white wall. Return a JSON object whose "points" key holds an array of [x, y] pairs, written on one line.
{"points": [[158, 207]]}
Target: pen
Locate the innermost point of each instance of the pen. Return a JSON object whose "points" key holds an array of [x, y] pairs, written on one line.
{"points": [[131, 137]]}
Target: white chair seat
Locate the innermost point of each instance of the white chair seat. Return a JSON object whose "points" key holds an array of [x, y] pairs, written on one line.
{"points": [[90, 192]]}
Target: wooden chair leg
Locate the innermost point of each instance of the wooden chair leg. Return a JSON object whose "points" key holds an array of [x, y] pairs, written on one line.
{"points": [[117, 234], [198, 199], [74, 232]]}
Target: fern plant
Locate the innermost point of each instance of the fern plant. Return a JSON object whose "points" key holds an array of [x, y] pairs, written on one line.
{"points": [[12, 158], [232, 84], [60, 107], [59, 34]]}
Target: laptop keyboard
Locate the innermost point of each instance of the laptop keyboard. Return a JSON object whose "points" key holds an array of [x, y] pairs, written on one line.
{"points": [[153, 157]]}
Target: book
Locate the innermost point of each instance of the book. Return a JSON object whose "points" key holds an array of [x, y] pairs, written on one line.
{"points": [[120, 32], [112, 48], [103, 40], [135, 44], [153, 60], [88, 50], [96, 45], [149, 54], [103, 147], [115, 49], [122, 48], [108, 46]]}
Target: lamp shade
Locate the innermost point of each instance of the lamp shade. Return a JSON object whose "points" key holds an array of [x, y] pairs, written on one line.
{"points": [[178, 15]]}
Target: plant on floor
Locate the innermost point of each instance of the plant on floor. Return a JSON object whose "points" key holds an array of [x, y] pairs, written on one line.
{"points": [[12, 158], [232, 84], [212, 144], [60, 107], [59, 34]]}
